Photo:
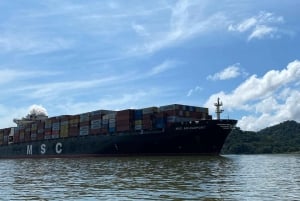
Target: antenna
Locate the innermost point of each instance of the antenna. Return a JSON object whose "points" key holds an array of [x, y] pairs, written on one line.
{"points": [[218, 105]]}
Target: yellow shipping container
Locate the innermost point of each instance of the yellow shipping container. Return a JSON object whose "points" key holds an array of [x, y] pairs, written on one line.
{"points": [[74, 120], [62, 127], [34, 127], [64, 133], [138, 122], [64, 130], [187, 113], [1, 137]]}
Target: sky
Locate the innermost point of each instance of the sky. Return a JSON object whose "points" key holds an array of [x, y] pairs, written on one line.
{"points": [[73, 56]]}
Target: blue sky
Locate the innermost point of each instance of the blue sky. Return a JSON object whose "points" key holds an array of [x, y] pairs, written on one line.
{"points": [[77, 56]]}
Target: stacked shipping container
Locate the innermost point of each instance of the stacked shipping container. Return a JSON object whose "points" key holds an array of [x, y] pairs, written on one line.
{"points": [[84, 124], [125, 120], [96, 122], [104, 122], [40, 130], [74, 125], [138, 119]]}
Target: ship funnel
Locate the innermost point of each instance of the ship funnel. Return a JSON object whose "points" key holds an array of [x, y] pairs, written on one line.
{"points": [[218, 105]]}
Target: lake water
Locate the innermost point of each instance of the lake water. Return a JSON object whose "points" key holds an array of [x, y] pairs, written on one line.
{"points": [[230, 177]]}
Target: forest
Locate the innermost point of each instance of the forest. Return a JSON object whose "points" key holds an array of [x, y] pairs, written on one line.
{"points": [[281, 138]]}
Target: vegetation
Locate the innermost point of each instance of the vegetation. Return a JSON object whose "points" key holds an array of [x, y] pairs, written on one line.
{"points": [[281, 138]]}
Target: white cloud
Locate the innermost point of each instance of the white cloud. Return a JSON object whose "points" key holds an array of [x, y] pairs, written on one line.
{"points": [[262, 31], [111, 102], [166, 65], [139, 29], [186, 21], [243, 26], [32, 44], [268, 99], [7, 114], [228, 73], [10, 75], [271, 112], [56, 89], [65, 103], [52, 89], [259, 26], [196, 89]]}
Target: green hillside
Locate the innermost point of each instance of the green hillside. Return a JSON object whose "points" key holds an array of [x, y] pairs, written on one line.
{"points": [[281, 138]]}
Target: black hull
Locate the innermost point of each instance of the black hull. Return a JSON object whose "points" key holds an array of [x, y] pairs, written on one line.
{"points": [[196, 138]]}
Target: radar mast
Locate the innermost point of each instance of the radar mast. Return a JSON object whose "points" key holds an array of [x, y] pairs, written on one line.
{"points": [[218, 105]]}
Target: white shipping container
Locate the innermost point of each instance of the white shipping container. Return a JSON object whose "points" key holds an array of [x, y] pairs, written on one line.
{"points": [[112, 125], [96, 126], [96, 122], [83, 132], [105, 121], [110, 116], [169, 107], [101, 112], [112, 121], [84, 128], [47, 137], [33, 135], [54, 136], [150, 110], [138, 127], [64, 123], [55, 128]]}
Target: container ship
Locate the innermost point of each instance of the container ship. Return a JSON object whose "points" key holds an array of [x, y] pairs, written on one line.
{"points": [[167, 130]]}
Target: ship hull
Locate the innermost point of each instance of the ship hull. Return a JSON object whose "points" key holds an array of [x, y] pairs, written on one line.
{"points": [[191, 138]]}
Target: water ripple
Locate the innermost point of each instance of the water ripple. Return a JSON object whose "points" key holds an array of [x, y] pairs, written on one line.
{"points": [[253, 177]]}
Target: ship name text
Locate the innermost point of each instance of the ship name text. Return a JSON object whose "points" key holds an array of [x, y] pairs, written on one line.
{"points": [[43, 148], [190, 128]]}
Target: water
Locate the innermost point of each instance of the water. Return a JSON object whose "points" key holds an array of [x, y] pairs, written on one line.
{"points": [[234, 177]]}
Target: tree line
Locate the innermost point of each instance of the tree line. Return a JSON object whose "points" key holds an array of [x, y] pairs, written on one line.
{"points": [[281, 138]]}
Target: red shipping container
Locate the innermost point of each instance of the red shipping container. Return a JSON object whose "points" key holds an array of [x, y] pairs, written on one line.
{"points": [[74, 125], [40, 136], [41, 125], [48, 131], [73, 131], [84, 123], [27, 137], [16, 137], [147, 124], [125, 115], [95, 131], [55, 132], [124, 128], [103, 131]]}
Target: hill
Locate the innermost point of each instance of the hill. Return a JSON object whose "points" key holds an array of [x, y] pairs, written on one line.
{"points": [[281, 138]]}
